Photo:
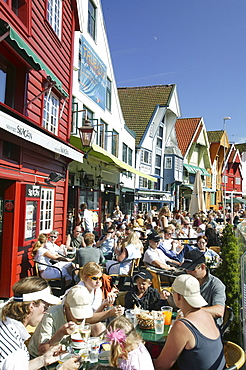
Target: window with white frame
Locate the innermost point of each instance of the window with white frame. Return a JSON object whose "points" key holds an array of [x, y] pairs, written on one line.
{"points": [[115, 143], [108, 95], [124, 153], [91, 19], [51, 111], [143, 182], [168, 163], [237, 181], [54, 15], [145, 156], [46, 210], [158, 160], [130, 151], [103, 128]]}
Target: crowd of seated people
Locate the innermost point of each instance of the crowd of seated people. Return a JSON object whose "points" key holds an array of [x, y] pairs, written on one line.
{"points": [[166, 240]]}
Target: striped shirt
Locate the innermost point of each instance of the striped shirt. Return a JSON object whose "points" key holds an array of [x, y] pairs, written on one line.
{"points": [[13, 351]]}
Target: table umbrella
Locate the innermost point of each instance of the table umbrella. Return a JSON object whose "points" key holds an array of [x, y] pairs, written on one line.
{"points": [[197, 203]]}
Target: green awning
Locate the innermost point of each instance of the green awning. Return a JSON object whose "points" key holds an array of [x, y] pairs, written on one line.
{"points": [[236, 200], [189, 168], [20, 46], [105, 156], [194, 169]]}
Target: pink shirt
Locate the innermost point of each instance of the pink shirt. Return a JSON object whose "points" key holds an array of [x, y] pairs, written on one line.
{"points": [[138, 359]]}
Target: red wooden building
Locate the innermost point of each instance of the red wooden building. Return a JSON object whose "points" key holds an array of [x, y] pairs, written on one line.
{"points": [[233, 173], [36, 59]]}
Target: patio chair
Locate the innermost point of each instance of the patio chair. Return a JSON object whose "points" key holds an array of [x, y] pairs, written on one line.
{"points": [[161, 278], [235, 356], [122, 278], [58, 285], [227, 320]]}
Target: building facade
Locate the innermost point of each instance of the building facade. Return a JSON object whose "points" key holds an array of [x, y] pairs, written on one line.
{"points": [[151, 111], [107, 176], [193, 143], [35, 120]]}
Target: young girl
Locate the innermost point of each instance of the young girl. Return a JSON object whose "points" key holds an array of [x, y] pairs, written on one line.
{"points": [[127, 349]]}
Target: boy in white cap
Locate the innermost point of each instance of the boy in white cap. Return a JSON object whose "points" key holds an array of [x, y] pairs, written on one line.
{"points": [[60, 321]]}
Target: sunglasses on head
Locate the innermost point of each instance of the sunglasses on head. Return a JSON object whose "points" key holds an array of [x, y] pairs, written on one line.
{"points": [[95, 278]]}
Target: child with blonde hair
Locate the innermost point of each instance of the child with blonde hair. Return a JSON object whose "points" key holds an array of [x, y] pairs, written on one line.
{"points": [[127, 349]]}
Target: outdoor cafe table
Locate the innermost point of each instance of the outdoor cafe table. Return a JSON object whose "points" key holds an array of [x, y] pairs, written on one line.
{"points": [[149, 335]]}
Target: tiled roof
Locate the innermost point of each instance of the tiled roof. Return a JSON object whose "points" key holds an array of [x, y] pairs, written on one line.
{"points": [[215, 136], [138, 105], [241, 147], [185, 131]]}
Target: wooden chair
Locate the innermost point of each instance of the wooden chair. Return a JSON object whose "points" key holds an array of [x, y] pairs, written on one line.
{"points": [[235, 356], [161, 278], [216, 249], [227, 320], [58, 285]]}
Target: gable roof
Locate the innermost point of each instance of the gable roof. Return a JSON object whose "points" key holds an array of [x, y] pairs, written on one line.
{"points": [[185, 129], [215, 136], [139, 103]]}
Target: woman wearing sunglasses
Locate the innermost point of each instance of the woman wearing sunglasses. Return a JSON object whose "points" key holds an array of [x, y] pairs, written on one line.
{"points": [[91, 280]]}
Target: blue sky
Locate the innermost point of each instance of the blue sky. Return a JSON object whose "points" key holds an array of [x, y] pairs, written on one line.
{"points": [[199, 45]]}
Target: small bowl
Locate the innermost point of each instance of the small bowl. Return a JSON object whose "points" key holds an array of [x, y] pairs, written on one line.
{"points": [[103, 357]]}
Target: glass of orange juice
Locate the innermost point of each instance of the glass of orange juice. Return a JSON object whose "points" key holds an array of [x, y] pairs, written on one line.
{"points": [[167, 311]]}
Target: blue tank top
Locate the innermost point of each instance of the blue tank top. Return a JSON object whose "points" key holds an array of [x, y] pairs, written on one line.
{"points": [[207, 354]]}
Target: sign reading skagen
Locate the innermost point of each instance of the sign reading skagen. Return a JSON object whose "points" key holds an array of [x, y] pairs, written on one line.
{"points": [[24, 131]]}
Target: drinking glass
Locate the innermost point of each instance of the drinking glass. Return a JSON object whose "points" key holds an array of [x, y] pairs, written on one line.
{"points": [[167, 311], [85, 332], [159, 323]]}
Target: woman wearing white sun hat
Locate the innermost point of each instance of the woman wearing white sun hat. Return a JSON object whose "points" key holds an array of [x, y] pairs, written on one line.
{"points": [[31, 300], [194, 341]]}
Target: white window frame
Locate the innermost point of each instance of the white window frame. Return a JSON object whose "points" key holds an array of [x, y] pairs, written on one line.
{"points": [[92, 20], [46, 210], [237, 181], [54, 15], [168, 166], [51, 112], [143, 182], [109, 95], [149, 155]]}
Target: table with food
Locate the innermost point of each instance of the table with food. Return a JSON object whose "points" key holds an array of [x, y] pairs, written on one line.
{"points": [[153, 326]]}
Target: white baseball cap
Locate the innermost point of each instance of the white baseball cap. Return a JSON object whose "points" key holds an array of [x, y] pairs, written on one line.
{"points": [[79, 302], [188, 286]]}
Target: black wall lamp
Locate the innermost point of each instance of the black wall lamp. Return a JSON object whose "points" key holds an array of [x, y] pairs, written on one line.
{"points": [[54, 177]]}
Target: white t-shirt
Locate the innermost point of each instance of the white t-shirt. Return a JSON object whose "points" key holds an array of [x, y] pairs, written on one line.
{"points": [[95, 296], [13, 352], [155, 255], [88, 222], [123, 268], [41, 258]]}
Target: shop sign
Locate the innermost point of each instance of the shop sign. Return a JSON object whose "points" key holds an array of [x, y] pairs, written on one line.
{"points": [[33, 191]]}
